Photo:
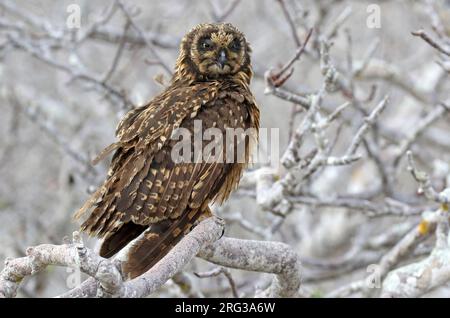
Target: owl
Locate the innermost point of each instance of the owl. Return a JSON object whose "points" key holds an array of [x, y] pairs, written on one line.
{"points": [[154, 193]]}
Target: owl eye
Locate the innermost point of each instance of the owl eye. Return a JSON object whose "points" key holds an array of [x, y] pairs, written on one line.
{"points": [[206, 44], [235, 45]]}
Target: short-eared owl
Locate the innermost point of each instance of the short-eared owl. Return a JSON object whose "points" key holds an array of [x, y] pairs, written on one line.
{"points": [[150, 198]]}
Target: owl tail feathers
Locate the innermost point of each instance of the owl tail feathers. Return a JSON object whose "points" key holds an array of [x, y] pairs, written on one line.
{"points": [[88, 204], [105, 152], [155, 242], [97, 194]]}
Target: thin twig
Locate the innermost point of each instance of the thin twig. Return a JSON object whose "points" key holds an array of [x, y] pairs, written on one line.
{"points": [[438, 46]]}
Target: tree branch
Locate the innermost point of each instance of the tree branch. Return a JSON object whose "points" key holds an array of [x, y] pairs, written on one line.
{"points": [[259, 256], [106, 279]]}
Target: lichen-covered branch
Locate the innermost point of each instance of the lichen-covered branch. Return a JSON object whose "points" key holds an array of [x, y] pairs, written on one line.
{"points": [[418, 278], [259, 256], [73, 255], [106, 280], [106, 273]]}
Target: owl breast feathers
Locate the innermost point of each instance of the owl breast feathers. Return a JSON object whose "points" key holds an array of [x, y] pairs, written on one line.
{"points": [[158, 186]]}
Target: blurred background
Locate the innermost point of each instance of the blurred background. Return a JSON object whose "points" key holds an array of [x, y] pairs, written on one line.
{"points": [[63, 89]]}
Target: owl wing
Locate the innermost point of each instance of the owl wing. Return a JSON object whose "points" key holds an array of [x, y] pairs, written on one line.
{"points": [[145, 190], [141, 134], [175, 209], [204, 181], [149, 199]]}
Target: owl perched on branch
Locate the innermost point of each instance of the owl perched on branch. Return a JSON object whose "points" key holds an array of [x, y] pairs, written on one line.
{"points": [[151, 198]]}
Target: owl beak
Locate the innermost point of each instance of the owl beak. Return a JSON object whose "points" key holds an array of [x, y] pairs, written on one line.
{"points": [[222, 58]]}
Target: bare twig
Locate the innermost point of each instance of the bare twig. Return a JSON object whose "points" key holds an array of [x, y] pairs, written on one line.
{"points": [[218, 271], [368, 121], [277, 78], [425, 183], [220, 15], [118, 54], [74, 73], [142, 35], [420, 127], [291, 23], [427, 38]]}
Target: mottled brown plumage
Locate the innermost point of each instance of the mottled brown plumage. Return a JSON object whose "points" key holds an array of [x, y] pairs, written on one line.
{"points": [[148, 192]]}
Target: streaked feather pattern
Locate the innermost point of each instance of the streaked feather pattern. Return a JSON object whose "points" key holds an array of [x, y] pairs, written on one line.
{"points": [[149, 198]]}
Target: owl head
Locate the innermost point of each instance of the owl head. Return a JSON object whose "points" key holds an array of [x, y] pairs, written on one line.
{"points": [[213, 51]]}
